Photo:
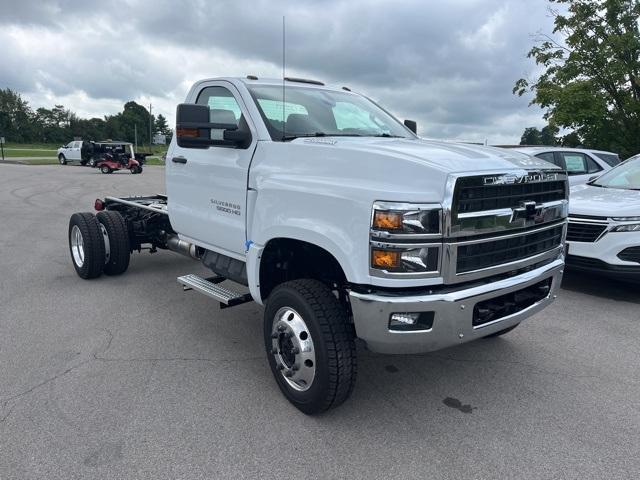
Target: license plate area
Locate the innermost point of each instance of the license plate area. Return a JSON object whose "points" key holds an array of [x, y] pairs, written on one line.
{"points": [[489, 311]]}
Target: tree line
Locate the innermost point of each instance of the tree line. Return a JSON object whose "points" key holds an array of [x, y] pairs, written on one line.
{"points": [[590, 83], [20, 123]]}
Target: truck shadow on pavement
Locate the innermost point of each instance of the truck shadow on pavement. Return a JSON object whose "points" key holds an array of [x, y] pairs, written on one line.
{"points": [[601, 286]]}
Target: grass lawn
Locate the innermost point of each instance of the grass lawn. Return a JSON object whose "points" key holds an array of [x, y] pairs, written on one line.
{"points": [[12, 153]]}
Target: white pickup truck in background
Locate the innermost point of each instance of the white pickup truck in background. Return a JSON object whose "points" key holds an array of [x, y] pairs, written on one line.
{"points": [[343, 224]]}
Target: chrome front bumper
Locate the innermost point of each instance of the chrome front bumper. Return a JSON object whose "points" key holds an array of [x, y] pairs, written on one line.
{"points": [[453, 313]]}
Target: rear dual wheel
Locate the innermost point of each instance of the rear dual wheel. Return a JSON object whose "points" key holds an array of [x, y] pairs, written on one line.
{"points": [[136, 169], [98, 244]]}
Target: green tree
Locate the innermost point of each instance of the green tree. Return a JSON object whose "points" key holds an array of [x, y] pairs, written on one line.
{"points": [[530, 136], [162, 126], [591, 80], [533, 136], [16, 117]]}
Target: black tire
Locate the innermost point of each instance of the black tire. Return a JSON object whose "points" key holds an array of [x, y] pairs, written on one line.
{"points": [[83, 162], [92, 162], [502, 332], [91, 262], [62, 159], [333, 342], [118, 233], [105, 169]]}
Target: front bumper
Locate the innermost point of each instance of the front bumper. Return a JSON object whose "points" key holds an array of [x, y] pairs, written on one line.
{"points": [[453, 313]]}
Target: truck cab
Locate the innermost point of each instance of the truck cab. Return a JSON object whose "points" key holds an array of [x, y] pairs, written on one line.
{"points": [[344, 224]]}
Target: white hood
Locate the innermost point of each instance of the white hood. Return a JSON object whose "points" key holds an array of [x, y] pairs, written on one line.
{"points": [[604, 202]]}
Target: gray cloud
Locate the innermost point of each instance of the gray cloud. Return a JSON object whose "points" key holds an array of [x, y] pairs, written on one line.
{"points": [[450, 65]]}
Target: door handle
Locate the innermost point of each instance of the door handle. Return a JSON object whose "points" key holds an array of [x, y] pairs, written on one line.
{"points": [[179, 160]]}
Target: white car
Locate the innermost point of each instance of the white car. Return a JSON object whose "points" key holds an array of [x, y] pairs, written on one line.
{"points": [[604, 223], [581, 164]]}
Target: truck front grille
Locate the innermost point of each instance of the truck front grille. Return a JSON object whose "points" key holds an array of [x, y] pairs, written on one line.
{"points": [[478, 198], [584, 232], [505, 221], [492, 252]]}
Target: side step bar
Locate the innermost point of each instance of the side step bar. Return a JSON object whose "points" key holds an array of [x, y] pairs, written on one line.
{"points": [[210, 288]]}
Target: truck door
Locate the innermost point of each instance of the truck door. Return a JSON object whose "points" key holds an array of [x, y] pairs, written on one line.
{"points": [[74, 151], [207, 187]]}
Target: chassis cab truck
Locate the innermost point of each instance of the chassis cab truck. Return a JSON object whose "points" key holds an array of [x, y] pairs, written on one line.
{"points": [[343, 224]]}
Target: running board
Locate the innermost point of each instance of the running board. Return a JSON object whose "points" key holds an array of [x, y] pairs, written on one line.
{"points": [[210, 288]]}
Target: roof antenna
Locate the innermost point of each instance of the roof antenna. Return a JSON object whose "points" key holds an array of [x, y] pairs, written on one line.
{"points": [[284, 118]]}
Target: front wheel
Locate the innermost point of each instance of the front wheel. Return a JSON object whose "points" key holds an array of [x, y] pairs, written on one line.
{"points": [[92, 162], [105, 169], [62, 159], [310, 345]]}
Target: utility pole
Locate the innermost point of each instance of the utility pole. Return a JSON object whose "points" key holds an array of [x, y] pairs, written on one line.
{"points": [[150, 125]]}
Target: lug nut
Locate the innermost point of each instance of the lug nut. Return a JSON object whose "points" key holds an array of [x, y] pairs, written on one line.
{"points": [[282, 328]]}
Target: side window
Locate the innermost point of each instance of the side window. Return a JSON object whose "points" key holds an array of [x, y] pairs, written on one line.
{"points": [[576, 163], [592, 165], [223, 105], [551, 158]]}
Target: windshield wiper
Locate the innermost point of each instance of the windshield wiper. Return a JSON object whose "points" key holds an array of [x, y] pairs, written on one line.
{"points": [[386, 135], [318, 134]]}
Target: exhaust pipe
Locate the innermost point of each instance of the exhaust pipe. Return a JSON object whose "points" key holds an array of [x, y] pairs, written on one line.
{"points": [[184, 248]]}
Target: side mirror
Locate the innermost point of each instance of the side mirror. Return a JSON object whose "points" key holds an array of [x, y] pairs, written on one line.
{"points": [[194, 129], [593, 179], [411, 125]]}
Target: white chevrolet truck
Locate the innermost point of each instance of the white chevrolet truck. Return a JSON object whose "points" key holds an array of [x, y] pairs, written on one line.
{"points": [[344, 224]]}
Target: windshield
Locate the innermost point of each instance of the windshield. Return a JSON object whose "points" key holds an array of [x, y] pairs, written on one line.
{"points": [[316, 112], [625, 176]]}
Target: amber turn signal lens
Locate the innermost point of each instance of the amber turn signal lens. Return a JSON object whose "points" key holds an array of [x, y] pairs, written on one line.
{"points": [[387, 220], [385, 258], [187, 132]]}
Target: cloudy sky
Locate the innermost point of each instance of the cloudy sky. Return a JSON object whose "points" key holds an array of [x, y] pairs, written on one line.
{"points": [[450, 64]]}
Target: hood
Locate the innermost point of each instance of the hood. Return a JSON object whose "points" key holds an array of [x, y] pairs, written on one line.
{"points": [[604, 202], [444, 156]]}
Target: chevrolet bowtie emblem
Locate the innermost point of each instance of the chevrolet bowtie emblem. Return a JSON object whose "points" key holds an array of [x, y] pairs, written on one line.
{"points": [[528, 210]]}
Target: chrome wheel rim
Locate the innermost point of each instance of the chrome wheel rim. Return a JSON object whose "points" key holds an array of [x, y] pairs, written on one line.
{"points": [[293, 350], [77, 246]]}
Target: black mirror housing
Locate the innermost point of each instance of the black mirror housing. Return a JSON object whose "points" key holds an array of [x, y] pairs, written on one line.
{"points": [[411, 125], [194, 129]]}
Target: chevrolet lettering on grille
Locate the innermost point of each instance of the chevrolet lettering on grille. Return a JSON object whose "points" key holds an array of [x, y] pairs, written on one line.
{"points": [[510, 179]]}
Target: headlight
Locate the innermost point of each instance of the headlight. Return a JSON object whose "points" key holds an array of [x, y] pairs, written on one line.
{"points": [[406, 219], [634, 227], [421, 259], [406, 239], [626, 219]]}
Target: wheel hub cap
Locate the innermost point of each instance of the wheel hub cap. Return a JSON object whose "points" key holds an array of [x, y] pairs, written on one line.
{"points": [[77, 246], [293, 349]]}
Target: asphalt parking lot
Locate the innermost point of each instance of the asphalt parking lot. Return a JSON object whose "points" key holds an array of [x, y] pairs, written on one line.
{"points": [[130, 377]]}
